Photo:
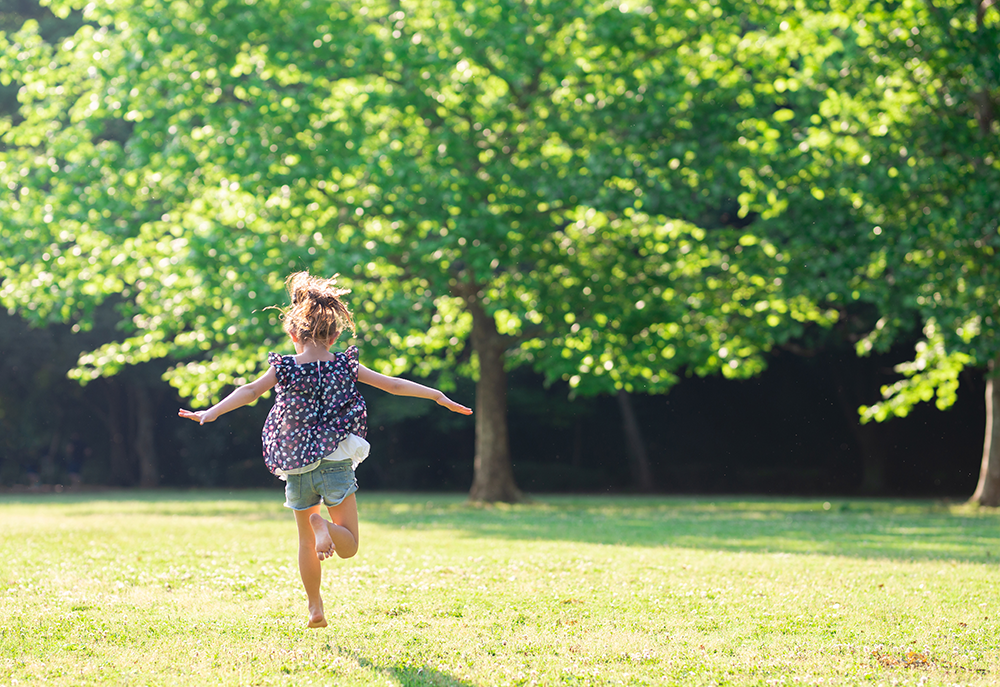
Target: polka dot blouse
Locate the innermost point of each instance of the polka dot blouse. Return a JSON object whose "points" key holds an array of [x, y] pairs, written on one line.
{"points": [[317, 405]]}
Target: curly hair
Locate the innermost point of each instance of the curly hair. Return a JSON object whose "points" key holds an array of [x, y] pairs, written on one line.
{"points": [[317, 313]]}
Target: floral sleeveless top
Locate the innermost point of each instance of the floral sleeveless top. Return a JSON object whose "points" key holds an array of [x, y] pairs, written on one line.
{"points": [[317, 405]]}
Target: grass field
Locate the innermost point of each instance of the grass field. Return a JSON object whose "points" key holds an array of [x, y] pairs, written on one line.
{"points": [[201, 588]]}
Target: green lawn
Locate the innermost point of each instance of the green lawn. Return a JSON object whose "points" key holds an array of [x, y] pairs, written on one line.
{"points": [[192, 588]]}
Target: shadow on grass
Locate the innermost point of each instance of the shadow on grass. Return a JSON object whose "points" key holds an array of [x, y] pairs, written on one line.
{"points": [[407, 675], [863, 528], [889, 529], [249, 504]]}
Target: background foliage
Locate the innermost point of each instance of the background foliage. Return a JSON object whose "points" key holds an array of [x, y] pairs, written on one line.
{"points": [[614, 196]]}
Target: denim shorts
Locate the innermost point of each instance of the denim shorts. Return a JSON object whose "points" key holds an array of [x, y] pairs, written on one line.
{"points": [[331, 483]]}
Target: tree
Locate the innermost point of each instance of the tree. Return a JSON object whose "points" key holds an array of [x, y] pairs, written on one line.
{"points": [[882, 184], [493, 181]]}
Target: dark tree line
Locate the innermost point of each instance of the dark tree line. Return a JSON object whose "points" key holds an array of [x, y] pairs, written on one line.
{"points": [[613, 198], [792, 430]]}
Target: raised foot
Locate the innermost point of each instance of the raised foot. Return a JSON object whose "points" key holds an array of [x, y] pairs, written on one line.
{"points": [[324, 544], [317, 620]]}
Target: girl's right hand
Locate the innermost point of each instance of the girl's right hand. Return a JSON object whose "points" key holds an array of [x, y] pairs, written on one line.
{"points": [[200, 416]]}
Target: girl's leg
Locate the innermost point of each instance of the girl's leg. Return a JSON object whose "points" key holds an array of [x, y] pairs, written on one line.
{"points": [[341, 535], [309, 566]]}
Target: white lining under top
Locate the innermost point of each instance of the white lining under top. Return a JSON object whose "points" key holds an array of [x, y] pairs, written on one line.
{"points": [[352, 448]]}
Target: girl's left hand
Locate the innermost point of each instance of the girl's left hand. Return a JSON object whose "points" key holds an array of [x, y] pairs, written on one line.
{"points": [[201, 416], [452, 406]]}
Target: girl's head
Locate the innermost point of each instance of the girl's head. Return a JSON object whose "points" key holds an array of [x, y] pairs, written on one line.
{"points": [[317, 313]]}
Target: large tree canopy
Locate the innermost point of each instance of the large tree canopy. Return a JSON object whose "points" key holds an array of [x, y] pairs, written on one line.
{"points": [[499, 183]]}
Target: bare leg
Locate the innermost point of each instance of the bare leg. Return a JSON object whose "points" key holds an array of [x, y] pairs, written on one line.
{"points": [[309, 566], [340, 535], [344, 528]]}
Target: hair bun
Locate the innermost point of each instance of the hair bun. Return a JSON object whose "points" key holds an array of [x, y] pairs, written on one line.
{"points": [[320, 298], [317, 312]]}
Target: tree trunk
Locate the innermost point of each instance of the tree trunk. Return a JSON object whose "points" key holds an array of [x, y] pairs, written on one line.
{"points": [[873, 454], [988, 490], [120, 469], [145, 439], [493, 473], [638, 458], [47, 470], [873, 459], [577, 443]]}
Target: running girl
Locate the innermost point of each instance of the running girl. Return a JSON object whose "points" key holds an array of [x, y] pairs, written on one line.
{"points": [[314, 436]]}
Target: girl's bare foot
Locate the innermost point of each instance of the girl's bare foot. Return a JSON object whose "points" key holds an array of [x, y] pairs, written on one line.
{"points": [[316, 616], [324, 544]]}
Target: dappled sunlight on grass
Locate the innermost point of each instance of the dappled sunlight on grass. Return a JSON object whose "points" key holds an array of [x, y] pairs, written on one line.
{"points": [[146, 588], [848, 527]]}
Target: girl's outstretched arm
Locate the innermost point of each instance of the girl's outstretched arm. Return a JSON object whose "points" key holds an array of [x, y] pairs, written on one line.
{"points": [[404, 387], [248, 393]]}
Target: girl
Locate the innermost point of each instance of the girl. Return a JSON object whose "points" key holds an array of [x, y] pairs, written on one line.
{"points": [[314, 435]]}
